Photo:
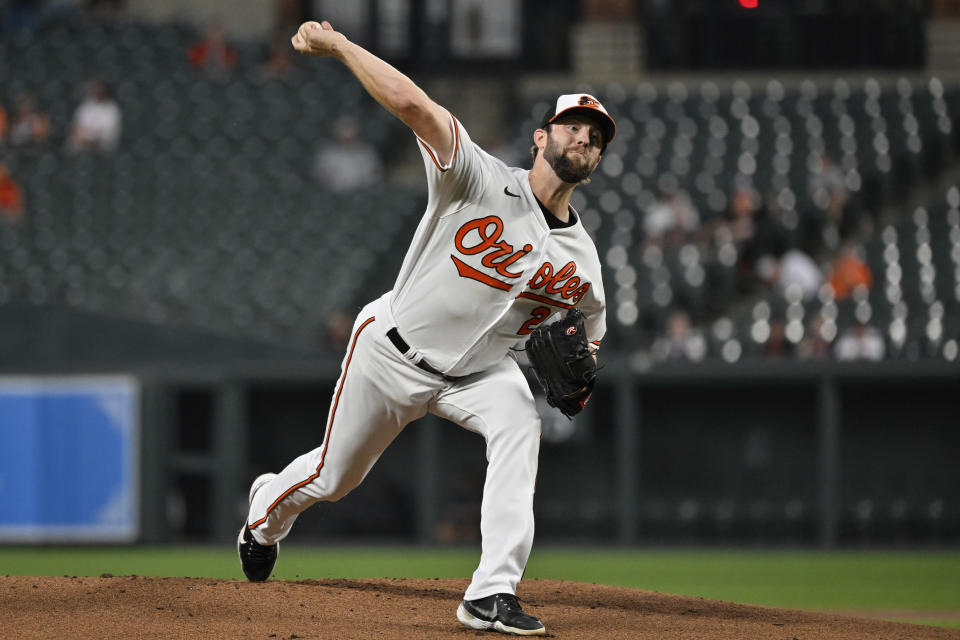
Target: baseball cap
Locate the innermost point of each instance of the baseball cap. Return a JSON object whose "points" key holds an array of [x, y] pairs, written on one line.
{"points": [[586, 105]]}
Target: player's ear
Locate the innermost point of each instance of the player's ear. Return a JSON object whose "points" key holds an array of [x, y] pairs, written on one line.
{"points": [[540, 138]]}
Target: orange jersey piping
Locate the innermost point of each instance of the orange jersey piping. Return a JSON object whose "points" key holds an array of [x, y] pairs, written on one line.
{"points": [[326, 439], [456, 146]]}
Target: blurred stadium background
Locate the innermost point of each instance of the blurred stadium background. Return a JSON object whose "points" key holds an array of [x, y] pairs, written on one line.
{"points": [[778, 218]]}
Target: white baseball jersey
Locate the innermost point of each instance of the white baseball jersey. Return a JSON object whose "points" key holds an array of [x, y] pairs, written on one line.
{"points": [[484, 269]]}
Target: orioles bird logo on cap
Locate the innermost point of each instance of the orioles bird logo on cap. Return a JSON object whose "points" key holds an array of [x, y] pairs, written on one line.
{"points": [[587, 101]]}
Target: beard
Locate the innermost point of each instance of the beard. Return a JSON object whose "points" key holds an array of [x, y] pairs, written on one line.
{"points": [[566, 168]]}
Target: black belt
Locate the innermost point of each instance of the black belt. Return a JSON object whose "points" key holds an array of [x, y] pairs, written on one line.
{"points": [[403, 348]]}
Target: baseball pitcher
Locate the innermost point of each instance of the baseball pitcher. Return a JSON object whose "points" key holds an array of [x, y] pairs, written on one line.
{"points": [[498, 253]]}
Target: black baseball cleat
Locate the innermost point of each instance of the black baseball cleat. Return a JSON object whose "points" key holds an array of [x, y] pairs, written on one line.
{"points": [[256, 559], [501, 612]]}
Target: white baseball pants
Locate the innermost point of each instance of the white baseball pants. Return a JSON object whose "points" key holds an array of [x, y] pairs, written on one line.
{"points": [[378, 393]]}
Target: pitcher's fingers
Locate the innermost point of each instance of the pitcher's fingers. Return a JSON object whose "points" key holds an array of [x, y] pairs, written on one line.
{"points": [[305, 29]]}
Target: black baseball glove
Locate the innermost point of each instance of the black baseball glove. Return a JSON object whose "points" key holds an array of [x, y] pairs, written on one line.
{"points": [[563, 363]]}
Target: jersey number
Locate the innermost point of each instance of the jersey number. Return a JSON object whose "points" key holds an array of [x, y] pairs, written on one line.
{"points": [[538, 315]]}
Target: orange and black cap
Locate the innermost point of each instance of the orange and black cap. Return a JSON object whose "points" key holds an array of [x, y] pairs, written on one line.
{"points": [[586, 105]]}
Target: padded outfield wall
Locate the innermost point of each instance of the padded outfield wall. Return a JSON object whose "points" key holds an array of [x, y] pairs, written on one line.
{"points": [[768, 453]]}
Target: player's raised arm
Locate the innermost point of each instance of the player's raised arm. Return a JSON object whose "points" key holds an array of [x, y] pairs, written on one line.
{"points": [[396, 92]]}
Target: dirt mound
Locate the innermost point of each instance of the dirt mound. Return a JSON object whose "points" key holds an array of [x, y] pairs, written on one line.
{"points": [[144, 607]]}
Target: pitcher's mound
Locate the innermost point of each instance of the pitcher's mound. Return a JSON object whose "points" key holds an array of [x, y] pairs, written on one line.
{"points": [[143, 607]]}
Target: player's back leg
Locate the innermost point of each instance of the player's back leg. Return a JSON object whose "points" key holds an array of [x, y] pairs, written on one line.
{"points": [[378, 393]]}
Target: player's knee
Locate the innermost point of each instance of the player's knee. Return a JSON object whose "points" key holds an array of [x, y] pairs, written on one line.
{"points": [[341, 489], [521, 432], [334, 488], [531, 429]]}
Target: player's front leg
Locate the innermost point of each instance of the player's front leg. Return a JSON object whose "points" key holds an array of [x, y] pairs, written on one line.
{"points": [[498, 405]]}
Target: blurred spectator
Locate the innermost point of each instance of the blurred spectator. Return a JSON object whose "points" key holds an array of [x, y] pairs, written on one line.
{"points": [[741, 214], [860, 342], [828, 187], [279, 58], [289, 14], [347, 162], [4, 125], [794, 269], [29, 126], [817, 343], [96, 122], [849, 271], [671, 218], [339, 328], [742, 222], [777, 345], [828, 191], [213, 53], [681, 342], [11, 198]]}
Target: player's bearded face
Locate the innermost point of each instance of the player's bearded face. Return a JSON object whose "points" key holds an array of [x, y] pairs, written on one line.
{"points": [[570, 166]]}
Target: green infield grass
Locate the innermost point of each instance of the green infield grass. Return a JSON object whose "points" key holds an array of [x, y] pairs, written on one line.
{"points": [[914, 586]]}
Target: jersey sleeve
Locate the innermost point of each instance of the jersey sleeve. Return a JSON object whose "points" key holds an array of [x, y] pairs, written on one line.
{"points": [[595, 315], [460, 180], [596, 327]]}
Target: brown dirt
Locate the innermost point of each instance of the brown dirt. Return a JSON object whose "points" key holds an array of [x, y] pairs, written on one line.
{"points": [[143, 607]]}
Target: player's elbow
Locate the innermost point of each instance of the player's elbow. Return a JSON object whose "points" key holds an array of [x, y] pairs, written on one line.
{"points": [[407, 101], [428, 120], [398, 93], [411, 105]]}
